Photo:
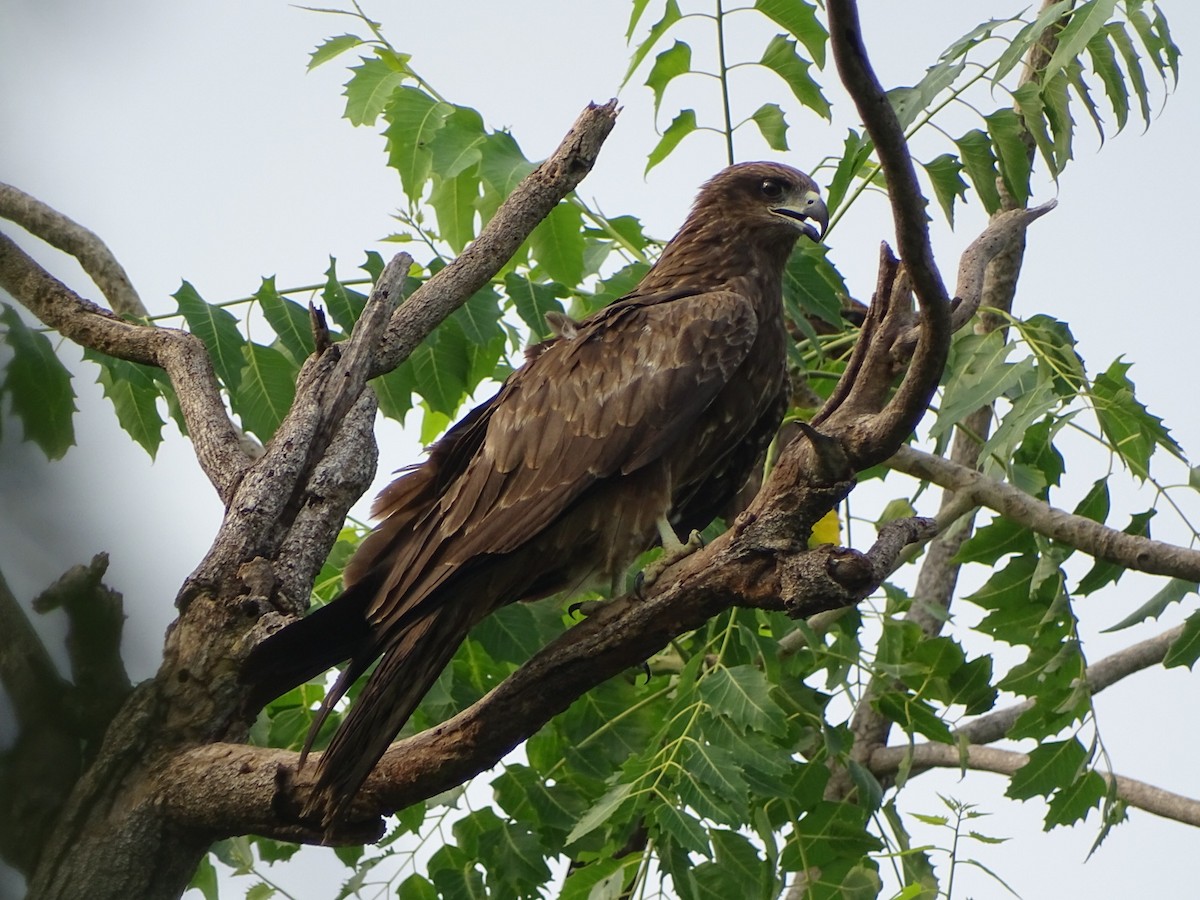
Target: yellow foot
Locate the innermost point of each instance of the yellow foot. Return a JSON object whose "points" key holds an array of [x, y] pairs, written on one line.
{"points": [[673, 552]]}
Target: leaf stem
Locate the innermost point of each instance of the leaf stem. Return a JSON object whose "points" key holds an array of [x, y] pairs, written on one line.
{"points": [[724, 76]]}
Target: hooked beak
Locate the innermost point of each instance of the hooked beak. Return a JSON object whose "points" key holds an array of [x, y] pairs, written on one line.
{"points": [[811, 207]]}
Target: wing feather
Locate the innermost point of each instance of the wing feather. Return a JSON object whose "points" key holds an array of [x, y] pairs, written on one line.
{"points": [[609, 400]]}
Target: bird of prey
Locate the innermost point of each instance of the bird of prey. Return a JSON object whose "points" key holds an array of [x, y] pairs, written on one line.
{"points": [[633, 425]]}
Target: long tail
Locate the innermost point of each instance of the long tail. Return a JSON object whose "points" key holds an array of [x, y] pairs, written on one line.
{"points": [[304, 649], [408, 669]]}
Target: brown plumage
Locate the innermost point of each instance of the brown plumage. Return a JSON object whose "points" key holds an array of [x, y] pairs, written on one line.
{"points": [[659, 405]]}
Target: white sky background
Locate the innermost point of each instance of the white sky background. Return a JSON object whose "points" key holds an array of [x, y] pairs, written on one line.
{"points": [[188, 136]]}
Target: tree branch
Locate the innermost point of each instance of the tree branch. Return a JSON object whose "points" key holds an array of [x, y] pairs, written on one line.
{"points": [[218, 443], [1139, 794], [51, 226], [1105, 673], [262, 791], [1128, 550], [911, 400], [530, 202], [272, 492]]}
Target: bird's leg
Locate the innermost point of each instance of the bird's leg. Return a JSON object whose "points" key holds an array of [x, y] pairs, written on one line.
{"points": [[673, 550]]}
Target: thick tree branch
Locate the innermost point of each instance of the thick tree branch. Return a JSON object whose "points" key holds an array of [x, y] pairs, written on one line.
{"points": [[218, 443], [1131, 551], [57, 230], [271, 494], [1139, 794], [538, 193], [262, 791]]}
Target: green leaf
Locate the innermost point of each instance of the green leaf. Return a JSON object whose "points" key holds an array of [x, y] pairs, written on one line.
{"points": [[344, 305], [260, 891], [945, 174], [1006, 132], [1027, 100], [394, 391], [681, 126], [1096, 502], [133, 391], [682, 827], [911, 102], [602, 879], [502, 163], [812, 286], [744, 695], [456, 874], [458, 144], [671, 15], [604, 809], [1030, 34], [454, 201], [828, 832], [417, 887], [770, 121], [204, 879], [289, 319], [1056, 106], [915, 716], [1132, 432], [414, 118], [219, 331], [39, 387], [331, 47], [1007, 594], [1133, 65], [1174, 591], [668, 65], [975, 148], [980, 376], [782, 59], [1105, 572], [1083, 91], [369, 90], [1052, 765], [1104, 63], [533, 301], [514, 860], [999, 538], [1085, 22], [855, 153], [1185, 649], [267, 390], [1054, 346], [557, 244], [1072, 803], [799, 19], [523, 793]]}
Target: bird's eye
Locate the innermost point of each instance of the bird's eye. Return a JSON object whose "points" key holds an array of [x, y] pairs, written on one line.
{"points": [[771, 189]]}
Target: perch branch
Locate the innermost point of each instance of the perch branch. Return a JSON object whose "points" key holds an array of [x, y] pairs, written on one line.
{"points": [[262, 791]]}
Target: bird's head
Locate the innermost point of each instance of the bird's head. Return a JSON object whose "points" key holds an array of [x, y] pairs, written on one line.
{"points": [[768, 194]]}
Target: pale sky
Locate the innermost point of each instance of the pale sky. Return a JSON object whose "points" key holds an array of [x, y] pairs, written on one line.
{"points": [[188, 136]]}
